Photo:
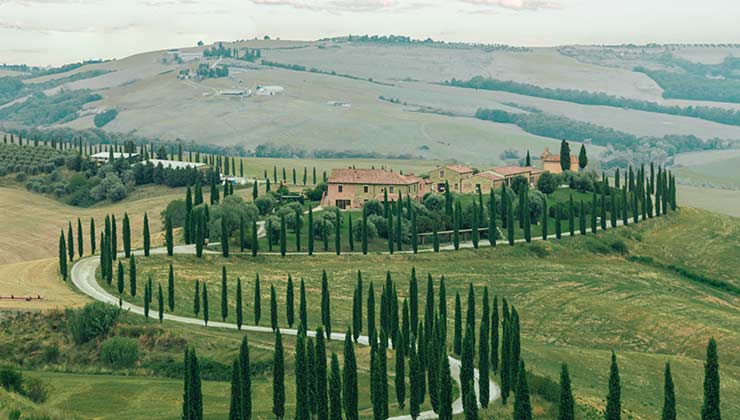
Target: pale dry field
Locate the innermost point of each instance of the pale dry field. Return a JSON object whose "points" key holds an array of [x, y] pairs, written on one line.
{"points": [[37, 278]]}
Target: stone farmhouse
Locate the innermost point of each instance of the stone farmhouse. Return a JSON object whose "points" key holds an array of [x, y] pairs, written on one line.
{"points": [[465, 180], [551, 163], [451, 174], [351, 188]]}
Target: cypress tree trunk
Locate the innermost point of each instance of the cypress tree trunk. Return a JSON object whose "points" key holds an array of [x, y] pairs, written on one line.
{"points": [[335, 384], [710, 409], [278, 377], [613, 399], [289, 303], [565, 409], [349, 381], [239, 305], [257, 301], [669, 396]]}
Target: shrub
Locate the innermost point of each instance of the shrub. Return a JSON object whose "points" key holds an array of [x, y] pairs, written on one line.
{"points": [[265, 204], [176, 210], [548, 182], [92, 321], [119, 352], [51, 353], [105, 117], [372, 231], [434, 202], [373, 207], [619, 246], [11, 379], [380, 223], [36, 389]]}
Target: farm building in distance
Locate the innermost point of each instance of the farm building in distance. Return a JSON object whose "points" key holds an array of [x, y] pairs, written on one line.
{"points": [[451, 174], [463, 179], [175, 164], [102, 158], [551, 163], [270, 90], [351, 188]]}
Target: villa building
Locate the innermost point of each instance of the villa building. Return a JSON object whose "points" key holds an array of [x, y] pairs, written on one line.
{"points": [[551, 163], [351, 188]]}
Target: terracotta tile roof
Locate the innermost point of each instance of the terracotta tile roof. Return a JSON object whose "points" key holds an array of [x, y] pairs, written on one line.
{"points": [[514, 170], [490, 175], [556, 158], [459, 169], [370, 176]]}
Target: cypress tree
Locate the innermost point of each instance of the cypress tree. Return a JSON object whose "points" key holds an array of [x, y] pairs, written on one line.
{"points": [[475, 225], [414, 301], [320, 373], [255, 189], [224, 295], [582, 219], [414, 403], [278, 377], [350, 236], [198, 199], [196, 299], [120, 277], [710, 409], [564, 156], [457, 340], [515, 349], [382, 372], [335, 384], [147, 236], [364, 230], [432, 365], [126, 228], [565, 409], [582, 158], [435, 236], [467, 371], [301, 380], [192, 408], [70, 243], [289, 303], [302, 309], [470, 315], [414, 231], [338, 233], [510, 221], [483, 356], [242, 234], [456, 217], [571, 216], [298, 223], [494, 335], [522, 404], [349, 381], [171, 289], [239, 309], [421, 356], [168, 234], [399, 346], [80, 247], [613, 399], [325, 304], [132, 274], [224, 238], [282, 235], [92, 236], [147, 300], [444, 385], [492, 229], [310, 231], [235, 404], [545, 220], [390, 232], [273, 309], [399, 216], [188, 212], [429, 310], [527, 217], [505, 354], [669, 396], [370, 309], [558, 222], [257, 301], [63, 256], [205, 304], [160, 302], [255, 239], [311, 376]]}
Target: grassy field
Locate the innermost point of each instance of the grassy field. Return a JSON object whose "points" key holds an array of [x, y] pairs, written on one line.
{"points": [[718, 170], [578, 302], [712, 199]]}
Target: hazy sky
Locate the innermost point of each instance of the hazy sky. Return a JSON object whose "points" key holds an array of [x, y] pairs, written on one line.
{"points": [[59, 31]]}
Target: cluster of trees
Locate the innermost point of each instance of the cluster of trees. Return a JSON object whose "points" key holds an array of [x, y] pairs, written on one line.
{"points": [[556, 126], [105, 117], [12, 87], [429, 42], [16, 158], [220, 51], [40, 109], [206, 71], [720, 115], [293, 151]]}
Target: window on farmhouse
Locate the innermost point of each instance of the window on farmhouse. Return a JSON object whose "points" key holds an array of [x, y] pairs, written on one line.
{"points": [[340, 188], [391, 188], [366, 188]]}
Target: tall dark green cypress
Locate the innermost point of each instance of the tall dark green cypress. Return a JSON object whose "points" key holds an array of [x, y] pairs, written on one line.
{"points": [[571, 216], [255, 239], [290, 303], [566, 406], [444, 386], [613, 399], [494, 336], [349, 380], [522, 404], [192, 407], [171, 289], [414, 301], [257, 300], [310, 231], [80, 239], [505, 371], [325, 304], [224, 295], [235, 404], [239, 305], [320, 374], [710, 409], [132, 274], [527, 217], [302, 309], [302, 411], [168, 238], [273, 309], [113, 238], [311, 375], [414, 231], [545, 218], [70, 242], [669, 396], [470, 315], [242, 234], [120, 277], [188, 213], [475, 232], [160, 303], [283, 244], [205, 304], [338, 233], [370, 309], [278, 377], [435, 236], [400, 380], [456, 218], [126, 228], [147, 236], [298, 223], [510, 221], [582, 219], [405, 324], [335, 386], [364, 231], [483, 356], [196, 299], [147, 299], [63, 256], [467, 370], [93, 246], [457, 338]]}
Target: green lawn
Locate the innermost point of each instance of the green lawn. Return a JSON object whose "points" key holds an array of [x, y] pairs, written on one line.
{"points": [[578, 300]]}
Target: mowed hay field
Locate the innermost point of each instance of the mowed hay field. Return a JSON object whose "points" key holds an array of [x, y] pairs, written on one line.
{"points": [[577, 301], [31, 223], [33, 279]]}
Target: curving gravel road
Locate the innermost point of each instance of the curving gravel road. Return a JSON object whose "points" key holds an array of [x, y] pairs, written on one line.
{"points": [[83, 276]]}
